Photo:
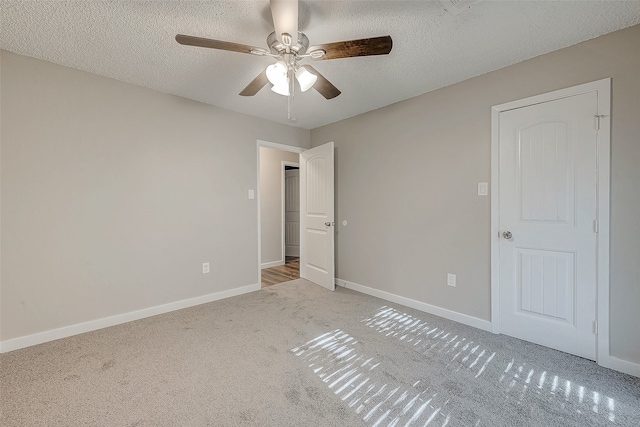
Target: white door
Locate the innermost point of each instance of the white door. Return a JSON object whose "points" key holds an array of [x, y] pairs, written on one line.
{"points": [[547, 223], [316, 216], [292, 212]]}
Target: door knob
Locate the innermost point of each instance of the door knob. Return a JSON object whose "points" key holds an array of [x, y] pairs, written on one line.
{"points": [[507, 234], [328, 224]]}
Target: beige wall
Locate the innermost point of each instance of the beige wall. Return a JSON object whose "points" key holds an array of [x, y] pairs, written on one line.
{"points": [[407, 174], [114, 195], [271, 202]]}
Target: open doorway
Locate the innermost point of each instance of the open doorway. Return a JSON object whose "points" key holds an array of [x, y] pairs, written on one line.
{"points": [[279, 206], [317, 216], [291, 209], [290, 186]]}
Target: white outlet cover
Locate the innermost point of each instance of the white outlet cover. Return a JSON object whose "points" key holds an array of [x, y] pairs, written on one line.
{"points": [[205, 267], [451, 280]]}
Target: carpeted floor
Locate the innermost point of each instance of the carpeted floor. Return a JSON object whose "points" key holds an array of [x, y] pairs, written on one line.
{"points": [[294, 354]]}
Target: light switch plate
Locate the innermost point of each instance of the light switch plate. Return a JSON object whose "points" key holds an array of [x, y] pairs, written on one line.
{"points": [[483, 189], [252, 194]]}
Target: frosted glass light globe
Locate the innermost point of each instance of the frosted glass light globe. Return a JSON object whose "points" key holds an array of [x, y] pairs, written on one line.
{"points": [[277, 73], [305, 78]]}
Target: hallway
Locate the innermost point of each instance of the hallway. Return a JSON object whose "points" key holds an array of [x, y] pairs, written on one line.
{"points": [[281, 273]]}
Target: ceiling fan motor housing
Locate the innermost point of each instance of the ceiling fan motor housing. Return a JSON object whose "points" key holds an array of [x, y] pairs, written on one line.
{"points": [[279, 48]]}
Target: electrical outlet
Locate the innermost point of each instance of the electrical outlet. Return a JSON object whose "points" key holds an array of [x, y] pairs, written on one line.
{"points": [[205, 267], [451, 280]]}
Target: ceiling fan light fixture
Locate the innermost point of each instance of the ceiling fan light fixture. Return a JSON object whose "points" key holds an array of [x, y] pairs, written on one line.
{"points": [[277, 73], [305, 78], [282, 88]]}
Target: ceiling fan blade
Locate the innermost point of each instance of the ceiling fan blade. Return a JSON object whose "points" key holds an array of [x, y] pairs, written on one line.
{"points": [[256, 84], [351, 48], [323, 85], [218, 44], [285, 18]]}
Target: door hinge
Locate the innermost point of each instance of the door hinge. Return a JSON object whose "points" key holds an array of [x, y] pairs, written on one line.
{"points": [[596, 121], [595, 327]]}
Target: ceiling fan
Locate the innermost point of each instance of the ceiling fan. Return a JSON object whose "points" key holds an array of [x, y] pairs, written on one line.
{"points": [[290, 51]]}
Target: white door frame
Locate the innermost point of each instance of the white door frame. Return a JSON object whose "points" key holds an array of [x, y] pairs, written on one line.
{"points": [[281, 147], [282, 197], [603, 163]]}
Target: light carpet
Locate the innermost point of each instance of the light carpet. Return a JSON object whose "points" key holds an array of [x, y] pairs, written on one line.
{"points": [[295, 354]]}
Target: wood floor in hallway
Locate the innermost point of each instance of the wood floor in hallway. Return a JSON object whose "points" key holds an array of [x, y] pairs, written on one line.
{"points": [[281, 273]]}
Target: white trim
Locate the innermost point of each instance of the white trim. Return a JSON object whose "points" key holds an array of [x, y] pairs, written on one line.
{"points": [[465, 319], [271, 264], [283, 165], [599, 85], [620, 365], [604, 200], [93, 325], [495, 221], [281, 147], [603, 90], [0, 200]]}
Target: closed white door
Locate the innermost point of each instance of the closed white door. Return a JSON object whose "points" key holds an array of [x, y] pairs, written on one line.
{"points": [[292, 212], [317, 216], [547, 224]]}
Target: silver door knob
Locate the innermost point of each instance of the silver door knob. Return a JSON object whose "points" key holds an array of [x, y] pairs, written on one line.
{"points": [[328, 224], [507, 234]]}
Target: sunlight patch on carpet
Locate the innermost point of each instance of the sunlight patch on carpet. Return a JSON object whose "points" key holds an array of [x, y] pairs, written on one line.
{"points": [[336, 360], [519, 379]]}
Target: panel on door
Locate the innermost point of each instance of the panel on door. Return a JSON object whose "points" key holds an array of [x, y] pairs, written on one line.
{"points": [[547, 213], [546, 175], [317, 216], [545, 284]]}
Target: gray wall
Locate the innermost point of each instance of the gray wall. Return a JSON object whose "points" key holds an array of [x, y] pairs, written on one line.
{"points": [[114, 195], [271, 201], [407, 174]]}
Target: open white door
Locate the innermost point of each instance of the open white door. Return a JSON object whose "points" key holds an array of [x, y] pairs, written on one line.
{"points": [[316, 216]]}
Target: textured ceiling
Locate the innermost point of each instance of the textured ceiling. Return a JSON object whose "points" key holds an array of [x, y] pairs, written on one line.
{"points": [[134, 42]]}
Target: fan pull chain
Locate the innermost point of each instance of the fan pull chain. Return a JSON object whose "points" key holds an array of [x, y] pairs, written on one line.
{"points": [[291, 94]]}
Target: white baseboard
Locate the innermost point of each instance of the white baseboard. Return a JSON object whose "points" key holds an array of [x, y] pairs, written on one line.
{"points": [[621, 365], [418, 305], [610, 362], [92, 325], [271, 264]]}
